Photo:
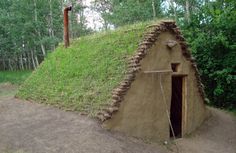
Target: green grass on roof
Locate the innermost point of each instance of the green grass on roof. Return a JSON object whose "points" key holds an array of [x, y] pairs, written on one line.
{"points": [[82, 76]]}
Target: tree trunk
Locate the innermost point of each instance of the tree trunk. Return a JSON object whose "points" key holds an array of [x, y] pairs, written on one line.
{"points": [[35, 11], [187, 8], [24, 60], [105, 24], [154, 9], [4, 63], [43, 50], [29, 61], [38, 31], [172, 4], [51, 23], [32, 59], [21, 63], [36, 59], [9, 64]]}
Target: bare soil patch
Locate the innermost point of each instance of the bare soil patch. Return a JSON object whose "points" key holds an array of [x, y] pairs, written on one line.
{"points": [[36, 128], [27, 127], [216, 135], [7, 90]]}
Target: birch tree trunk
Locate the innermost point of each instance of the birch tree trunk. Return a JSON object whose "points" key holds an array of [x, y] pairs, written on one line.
{"points": [[154, 9], [21, 62], [51, 28], [9, 64], [187, 8], [32, 59], [36, 58], [28, 60], [37, 31], [4, 64], [172, 4], [24, 60], [42, 48]]}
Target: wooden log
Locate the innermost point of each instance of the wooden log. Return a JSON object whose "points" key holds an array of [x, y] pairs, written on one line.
{"points": [[107, 115], [143, 51], [146, 42], [118, 93], [116, 97], [111, 110], [119, 90], [134, 65], [153, 26], [101, 118], [179, 37], [130, 76], [144, 47], [133, 61], [115, 103]]}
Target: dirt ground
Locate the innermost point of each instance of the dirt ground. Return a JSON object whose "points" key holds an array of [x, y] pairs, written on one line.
{"points": [[27, 127]]}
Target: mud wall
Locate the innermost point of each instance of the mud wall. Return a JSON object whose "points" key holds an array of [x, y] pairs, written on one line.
{"points": [[143, 112]]}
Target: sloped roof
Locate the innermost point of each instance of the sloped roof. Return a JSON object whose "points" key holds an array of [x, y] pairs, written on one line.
{"points": [[94, 73]]}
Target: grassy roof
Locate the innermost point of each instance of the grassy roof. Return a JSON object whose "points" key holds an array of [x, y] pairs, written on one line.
{"points": [[82, 76]]}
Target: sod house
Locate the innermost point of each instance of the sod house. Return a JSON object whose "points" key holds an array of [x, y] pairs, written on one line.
{"points": [[162, 95], [139, 79]]}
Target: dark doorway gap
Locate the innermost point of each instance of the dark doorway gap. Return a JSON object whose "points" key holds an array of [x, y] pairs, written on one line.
{"points": [[176, 106]]}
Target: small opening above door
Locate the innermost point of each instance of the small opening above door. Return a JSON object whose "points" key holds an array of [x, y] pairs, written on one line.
{"points": [[175, 67]]}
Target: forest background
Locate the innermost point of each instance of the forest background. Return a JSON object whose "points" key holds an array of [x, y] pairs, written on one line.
{"points": [[30, 30]]}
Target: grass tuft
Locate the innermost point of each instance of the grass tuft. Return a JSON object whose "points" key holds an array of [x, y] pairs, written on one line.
{"points": [[14, 77], [82, 76]]}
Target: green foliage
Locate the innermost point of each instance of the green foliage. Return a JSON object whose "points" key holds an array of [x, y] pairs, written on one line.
{"points": [[212, 35], [31, 29], [82, 76], [130, 11], [14, 77]]}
